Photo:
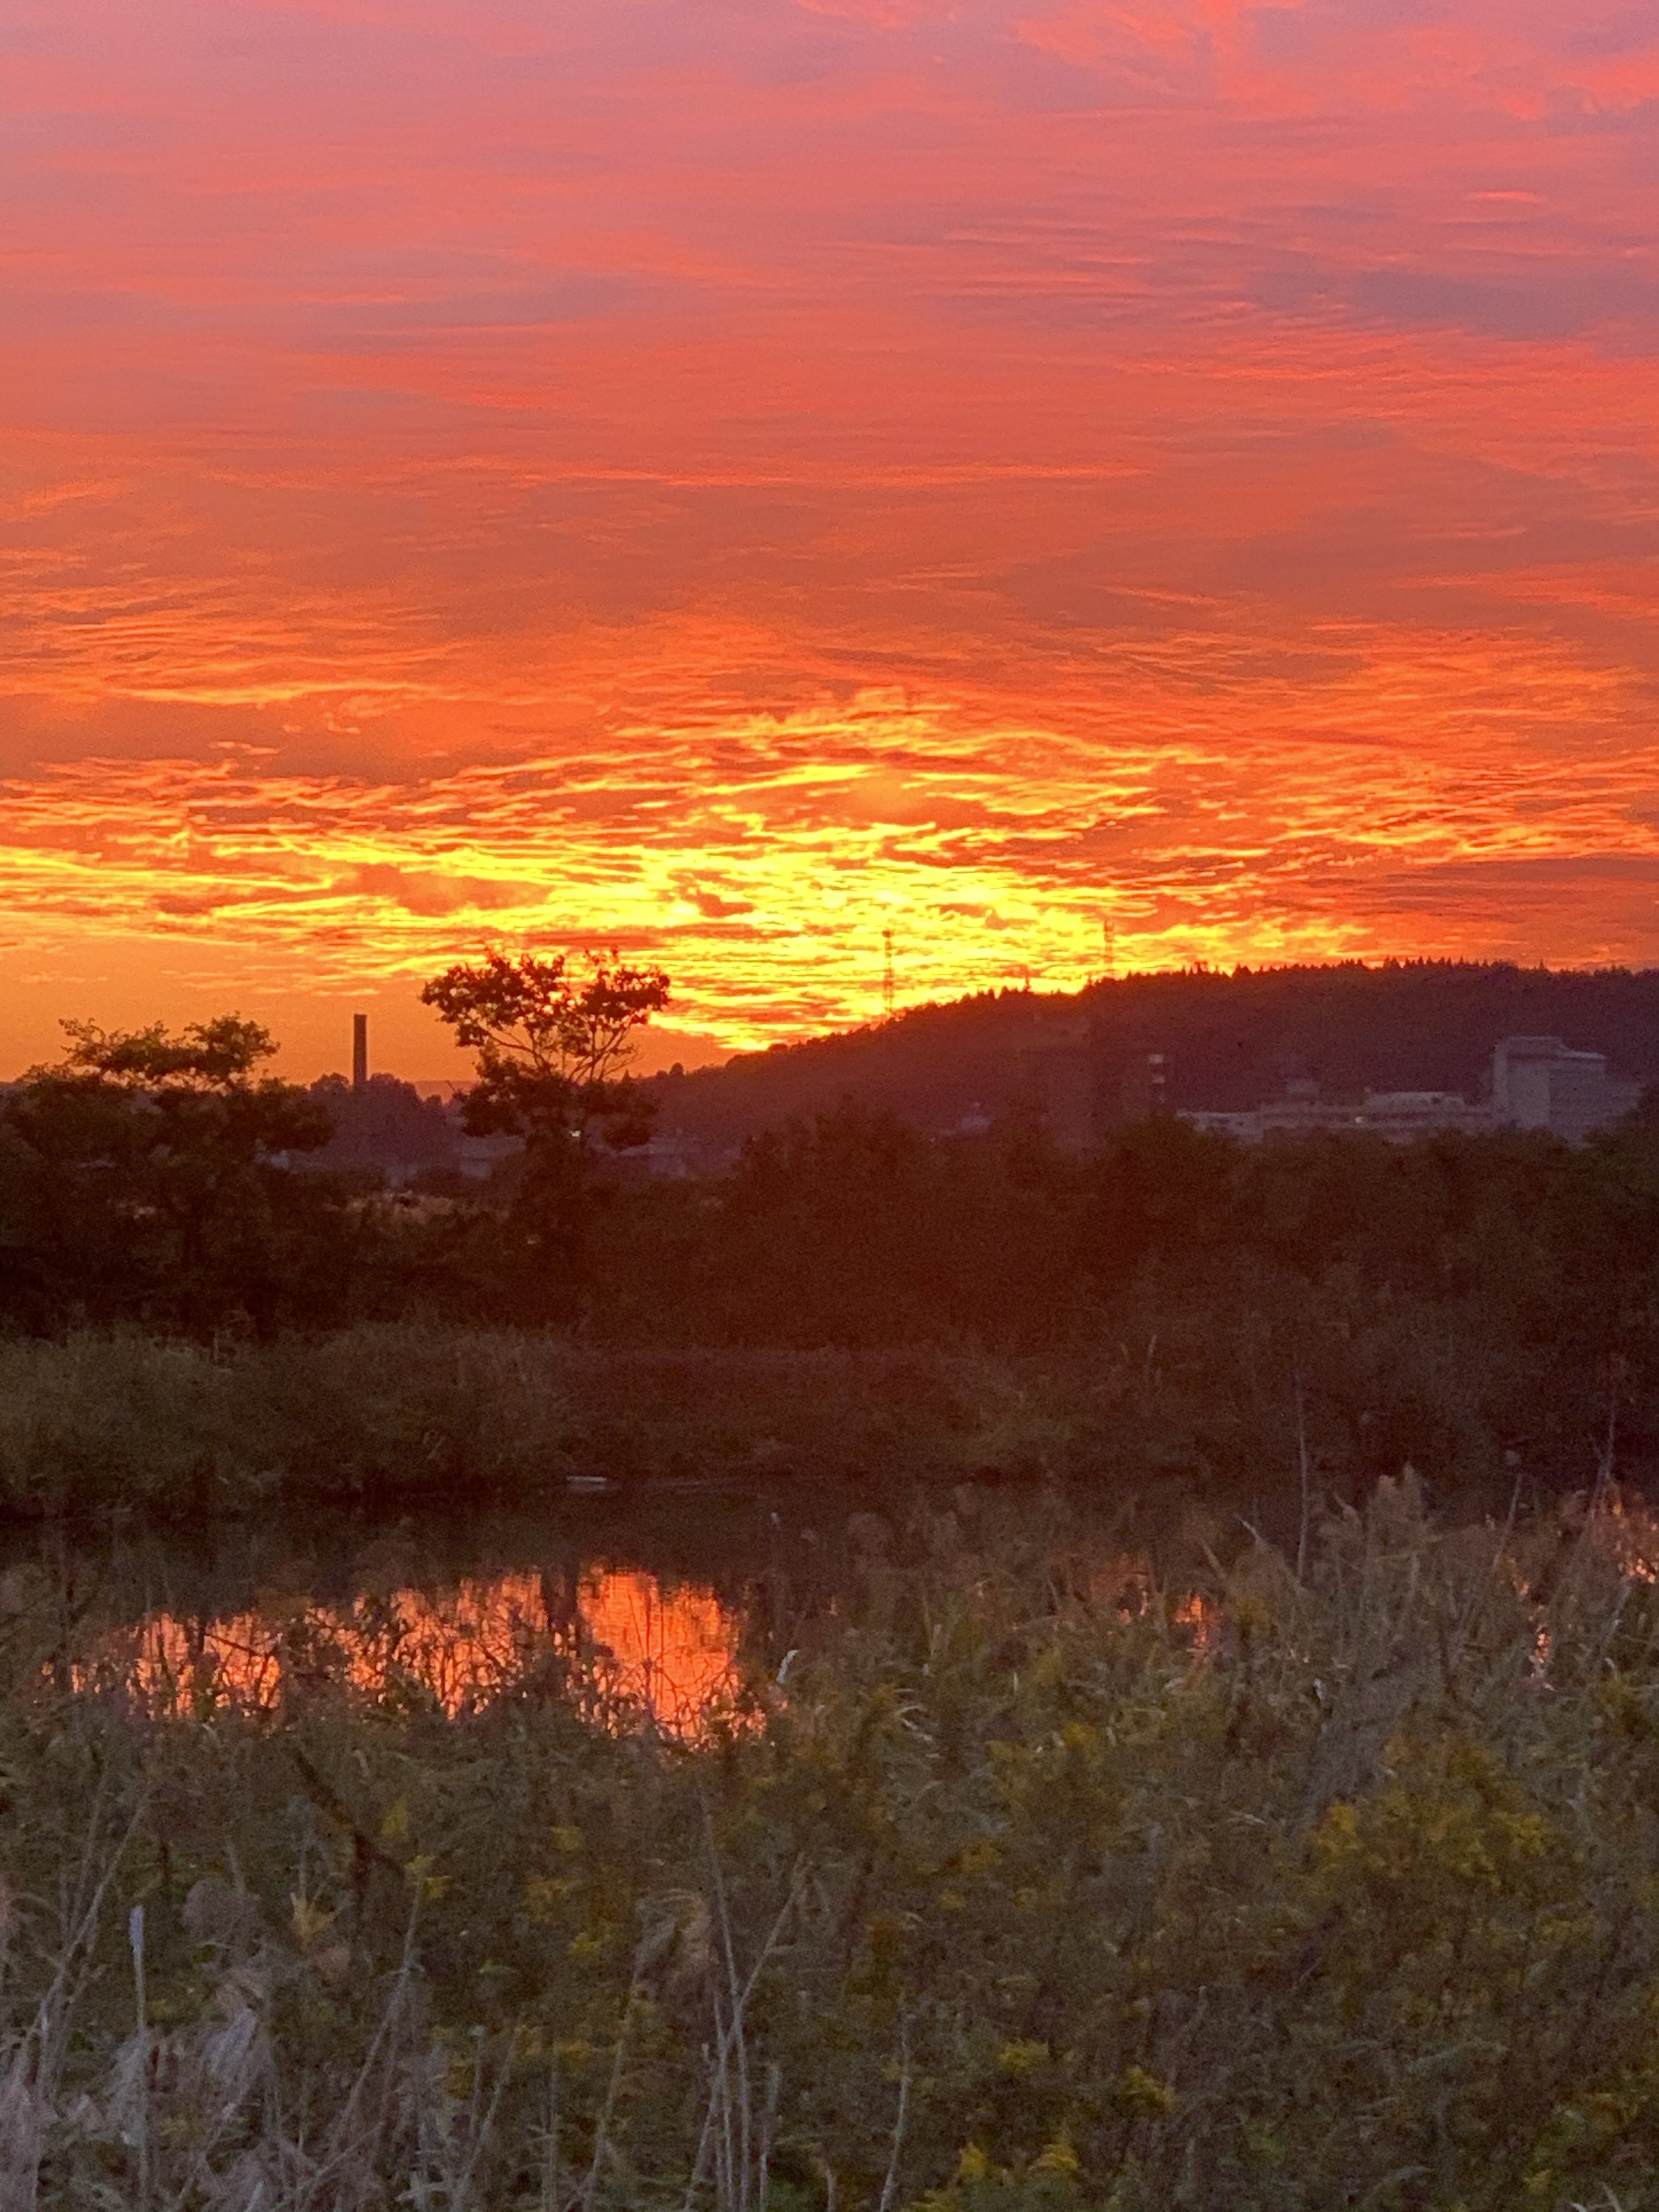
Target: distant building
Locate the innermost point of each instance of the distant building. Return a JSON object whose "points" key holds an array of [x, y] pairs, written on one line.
{"points": [[383, 1126], [667, 1156], [1301, 1112], [1143, 1087], [1540, 1082], [1244, 1128], [1402, 1116]]}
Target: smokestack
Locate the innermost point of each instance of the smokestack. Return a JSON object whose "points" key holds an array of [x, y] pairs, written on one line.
{"points": [[358, 1051]]}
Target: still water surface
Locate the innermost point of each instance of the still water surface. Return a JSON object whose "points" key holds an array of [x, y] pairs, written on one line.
{"points": [[642, 1614], [661, 1612], [636, 1641]]}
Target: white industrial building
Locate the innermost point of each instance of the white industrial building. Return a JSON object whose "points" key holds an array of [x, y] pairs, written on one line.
{"points": [[1538, 1083]]}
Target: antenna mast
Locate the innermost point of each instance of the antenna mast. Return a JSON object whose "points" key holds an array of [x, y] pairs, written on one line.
{"points": [[887, 991], [1109, 947]]}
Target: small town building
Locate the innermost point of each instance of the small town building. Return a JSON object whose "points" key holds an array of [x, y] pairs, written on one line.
{"points": [[1540, 1082], [1537, 1082]]}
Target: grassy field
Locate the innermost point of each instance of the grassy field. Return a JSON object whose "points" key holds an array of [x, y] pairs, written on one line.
{"points": [[385, 1415], [1027, 1885], [394, 1416]]}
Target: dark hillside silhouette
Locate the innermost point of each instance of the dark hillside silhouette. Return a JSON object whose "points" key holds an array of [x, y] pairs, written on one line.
{"points": [[1229, 1041]]}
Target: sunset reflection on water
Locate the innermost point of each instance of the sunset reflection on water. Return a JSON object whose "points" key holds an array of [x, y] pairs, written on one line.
{"points": [[633, 1646], [629, 1648]]}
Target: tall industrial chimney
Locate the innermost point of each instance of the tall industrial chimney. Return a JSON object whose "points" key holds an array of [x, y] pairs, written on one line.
{"points": [[358, 1051]]}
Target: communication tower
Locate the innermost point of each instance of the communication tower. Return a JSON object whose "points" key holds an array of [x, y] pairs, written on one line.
{"points": [[887, 987], [1109, 947]]}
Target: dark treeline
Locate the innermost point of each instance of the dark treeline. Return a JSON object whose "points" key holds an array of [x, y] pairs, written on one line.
{"points": [[1474, 1306]]}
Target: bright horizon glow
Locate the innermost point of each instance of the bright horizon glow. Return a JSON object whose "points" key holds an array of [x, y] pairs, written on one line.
{"points": [[727, 478]]}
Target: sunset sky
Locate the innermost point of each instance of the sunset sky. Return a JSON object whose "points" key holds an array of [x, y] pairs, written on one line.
{"points": [[729, 477]]}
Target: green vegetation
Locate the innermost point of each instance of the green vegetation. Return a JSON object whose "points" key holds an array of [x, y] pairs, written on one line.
{"points": [[147, 1175], [1018, 1892], [552, 1049], [1308, 1315], [1174, 1309], [388, 1416], [1009, 1882]]}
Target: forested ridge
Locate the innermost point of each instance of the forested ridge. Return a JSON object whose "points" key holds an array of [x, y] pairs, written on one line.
{"points": [[1229, 1040]]}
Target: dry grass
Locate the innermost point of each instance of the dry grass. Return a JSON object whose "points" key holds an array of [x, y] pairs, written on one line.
{"points": [[1035, 1889]]}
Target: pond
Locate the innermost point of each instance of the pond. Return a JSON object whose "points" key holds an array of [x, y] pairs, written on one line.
{"points": [[663, 1612]]}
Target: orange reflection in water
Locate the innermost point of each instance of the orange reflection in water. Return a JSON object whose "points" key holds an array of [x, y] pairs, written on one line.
{"points": [[633, 1646], [1125, 1583], [1626, 1531]]}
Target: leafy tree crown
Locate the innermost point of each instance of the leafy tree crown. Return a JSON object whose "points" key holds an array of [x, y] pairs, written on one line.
{"points": [[550, 1045]]}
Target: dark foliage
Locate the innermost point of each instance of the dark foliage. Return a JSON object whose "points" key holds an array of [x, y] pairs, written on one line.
{"points": [[552, 1049], [1323, 1310], [385, 1123], [146, 1177]]}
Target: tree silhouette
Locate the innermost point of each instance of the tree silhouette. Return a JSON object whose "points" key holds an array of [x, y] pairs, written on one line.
{"points": [[158, 1170], [550, 1050], [550, 1047]]}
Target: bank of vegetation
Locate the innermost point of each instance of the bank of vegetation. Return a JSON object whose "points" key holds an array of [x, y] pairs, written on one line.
{"points": [[848, 1298], [1021, 1891], [192, 1313], [385, 1417], [1011, 1879]]}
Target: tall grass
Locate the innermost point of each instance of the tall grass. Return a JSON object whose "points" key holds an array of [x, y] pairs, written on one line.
{"points": [[386, 1413], [1029, 1886]]}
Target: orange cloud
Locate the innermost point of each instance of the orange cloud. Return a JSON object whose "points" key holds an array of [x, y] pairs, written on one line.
{"points": [[731, 482]]}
